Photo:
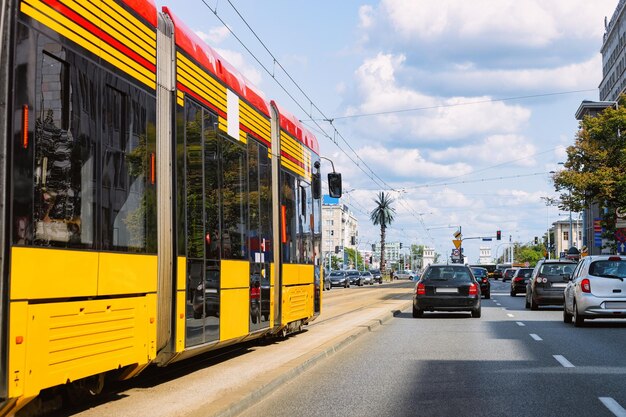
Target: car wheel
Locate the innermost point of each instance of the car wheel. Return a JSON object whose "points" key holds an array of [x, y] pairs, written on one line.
{"points": [[533, 304], [513, 293], [567, 317], [476, 313], [417, 312], [488, 295], [526, 303], [579, 320]]}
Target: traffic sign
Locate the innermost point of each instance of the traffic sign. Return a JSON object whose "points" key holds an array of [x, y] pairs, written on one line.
{"points": [[457, 243], [457, 234], [456, 252]]}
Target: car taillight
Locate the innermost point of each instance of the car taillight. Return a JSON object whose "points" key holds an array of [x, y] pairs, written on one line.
{"points": [[473, 290], [540, 280], [421, 289], [585, 285], [484, 279], [518, 279]]}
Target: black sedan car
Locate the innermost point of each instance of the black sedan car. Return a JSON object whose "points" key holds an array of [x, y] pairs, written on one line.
{"points": [[339, 279], [447, 288], [547, 284], [355, 277], [377, 277], [482, 276], [520, 280]]}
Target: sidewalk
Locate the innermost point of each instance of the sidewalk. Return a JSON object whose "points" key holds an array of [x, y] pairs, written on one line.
{"points": [[227, 388]]}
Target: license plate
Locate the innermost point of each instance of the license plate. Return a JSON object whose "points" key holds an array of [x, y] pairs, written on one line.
{"points": [[446, 290], [559, 285], [615, 305]]}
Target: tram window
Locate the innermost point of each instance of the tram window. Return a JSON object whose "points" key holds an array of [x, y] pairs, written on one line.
{"points": [[195, 220], [265, 183], [64, 174], [212, 192], [254, 201], [125, 141], [235, 200], [288, 191]]}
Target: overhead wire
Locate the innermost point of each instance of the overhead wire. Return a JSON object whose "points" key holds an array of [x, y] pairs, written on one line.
{"points": [[360, 163]]}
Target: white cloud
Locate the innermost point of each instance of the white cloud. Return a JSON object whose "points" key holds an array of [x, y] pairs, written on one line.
{"points": [[408, 163], [579, 75], [528, 22], [495, 149], [438, 118], [365, 16], [216, 35]]}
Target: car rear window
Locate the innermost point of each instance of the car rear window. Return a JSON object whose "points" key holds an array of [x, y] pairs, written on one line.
{"points": [[479, 272], [608, 269], [336, 273], [448, 273], [557, 269], [525, 272]]}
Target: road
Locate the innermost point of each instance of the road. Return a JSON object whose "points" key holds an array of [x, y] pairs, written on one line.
{"points": [[222, 381], [510, 362]]}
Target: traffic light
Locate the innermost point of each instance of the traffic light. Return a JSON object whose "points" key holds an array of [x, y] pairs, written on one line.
{"points": [[336, 249], [536, 240], [400, 245], [498, 235], [352, 240]]}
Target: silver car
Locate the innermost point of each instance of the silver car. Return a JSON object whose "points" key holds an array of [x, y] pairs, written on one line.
{"points": [[596, 290]]}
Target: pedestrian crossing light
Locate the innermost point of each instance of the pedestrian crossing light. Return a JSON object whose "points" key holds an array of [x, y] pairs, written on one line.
{"points": [[498, 235]]}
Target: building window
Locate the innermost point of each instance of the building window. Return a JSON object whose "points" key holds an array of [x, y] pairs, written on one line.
{"points": [[565, 235]]}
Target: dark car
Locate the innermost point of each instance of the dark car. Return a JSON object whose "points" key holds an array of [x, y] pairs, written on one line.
{"points": [[520, 280], [376, 274], [368, 278], [548, 282], [508, 273], [339, 279], [482, 276], [355, 277], [497, 273], [447, 288]]}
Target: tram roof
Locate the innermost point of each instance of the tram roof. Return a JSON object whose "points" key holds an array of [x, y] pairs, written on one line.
{"points": [[144, 8], [191, 43]]}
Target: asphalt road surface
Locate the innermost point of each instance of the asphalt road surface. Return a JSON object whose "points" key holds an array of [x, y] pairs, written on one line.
{"points": [[510, 362]]}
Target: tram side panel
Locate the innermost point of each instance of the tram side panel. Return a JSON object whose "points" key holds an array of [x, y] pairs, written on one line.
{"points": [[82, 293]]}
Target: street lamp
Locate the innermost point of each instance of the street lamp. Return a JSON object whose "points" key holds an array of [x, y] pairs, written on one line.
{"points": [[570, 213]]}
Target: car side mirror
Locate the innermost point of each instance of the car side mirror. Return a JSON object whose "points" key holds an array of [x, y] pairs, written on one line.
{"points": [[570, 277]]}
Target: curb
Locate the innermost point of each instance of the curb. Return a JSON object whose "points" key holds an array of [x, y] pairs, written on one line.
{"points": [[261, 389]]}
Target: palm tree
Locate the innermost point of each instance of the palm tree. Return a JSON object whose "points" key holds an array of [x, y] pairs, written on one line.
{"points": [[382, 215]]}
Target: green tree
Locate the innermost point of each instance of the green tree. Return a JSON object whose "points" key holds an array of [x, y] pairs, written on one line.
{"points": [[595, 170], [529, 253], [350, 254], [383, 216]]}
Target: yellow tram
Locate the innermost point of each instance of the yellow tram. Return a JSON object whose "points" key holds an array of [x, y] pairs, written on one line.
{"points": [[155, 205]]}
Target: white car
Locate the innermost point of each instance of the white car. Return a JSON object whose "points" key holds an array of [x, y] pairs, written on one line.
{"points": [[596, 290], [406, 274]]}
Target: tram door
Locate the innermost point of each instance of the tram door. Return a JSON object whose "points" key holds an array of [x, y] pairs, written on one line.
{"points": [[260, 229], [202, 212]]}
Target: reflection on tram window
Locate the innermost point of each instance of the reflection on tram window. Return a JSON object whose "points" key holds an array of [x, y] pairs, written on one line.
{"points": [[64, 158]]}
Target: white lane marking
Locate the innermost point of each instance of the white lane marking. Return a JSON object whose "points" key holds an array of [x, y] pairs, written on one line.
{"points": [[537, 338], [520, 324], [510, 315], [503, 308], [561, 359], [613, 405]]}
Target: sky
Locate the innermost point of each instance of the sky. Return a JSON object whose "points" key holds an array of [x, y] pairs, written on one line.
{"points": [[458, 109]]}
